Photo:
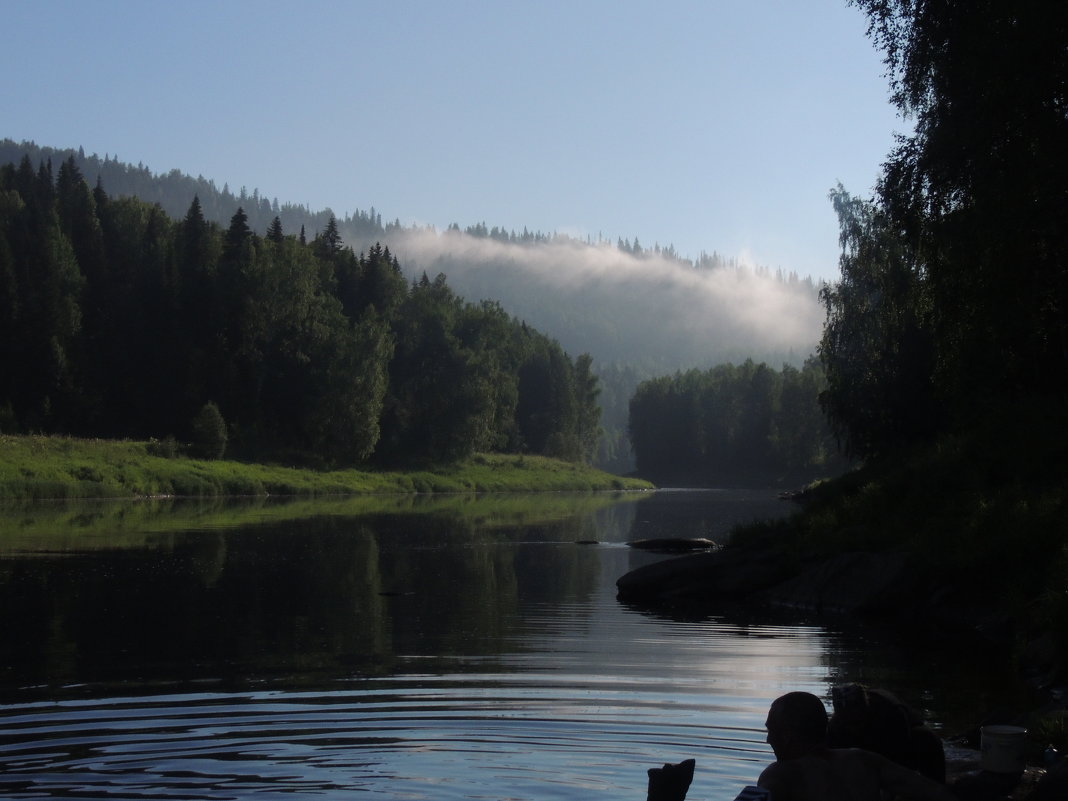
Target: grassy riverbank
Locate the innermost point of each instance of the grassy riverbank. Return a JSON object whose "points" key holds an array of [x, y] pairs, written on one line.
{"points": [[61, 467]]}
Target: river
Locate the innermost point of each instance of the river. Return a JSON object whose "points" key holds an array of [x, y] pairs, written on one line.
{"points": [[400, 648]]}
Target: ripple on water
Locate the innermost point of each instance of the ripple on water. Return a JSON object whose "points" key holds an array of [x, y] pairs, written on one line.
{"points": [[448, 736], [562, 694]]}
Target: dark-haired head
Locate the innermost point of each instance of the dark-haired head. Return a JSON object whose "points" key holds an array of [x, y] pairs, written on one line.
{"points": [[797, 725]]}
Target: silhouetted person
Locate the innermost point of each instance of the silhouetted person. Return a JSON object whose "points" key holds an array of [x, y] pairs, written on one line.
{"points": [[876, 720], [806, 769]]}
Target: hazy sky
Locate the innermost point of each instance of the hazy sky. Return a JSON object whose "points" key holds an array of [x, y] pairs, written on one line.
{"points": [[716, 125]]}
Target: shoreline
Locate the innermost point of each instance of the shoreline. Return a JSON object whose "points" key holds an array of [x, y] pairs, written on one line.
{"points": [[884, 591], [64, 468]]}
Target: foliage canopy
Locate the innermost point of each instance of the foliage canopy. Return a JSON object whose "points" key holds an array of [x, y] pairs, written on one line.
{"points": [[121, 322], [954, 294]]}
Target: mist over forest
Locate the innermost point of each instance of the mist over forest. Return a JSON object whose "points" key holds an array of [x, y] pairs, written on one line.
{"points": [[627, 305], [624, 305], [639, 312]]}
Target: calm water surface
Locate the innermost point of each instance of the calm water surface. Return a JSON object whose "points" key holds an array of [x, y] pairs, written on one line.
{"points": [[454, 648]]}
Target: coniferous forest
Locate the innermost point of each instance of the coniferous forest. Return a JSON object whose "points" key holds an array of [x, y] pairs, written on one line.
{"points": [[117, 320], [635, 326], [734, 424], [261, 331]]}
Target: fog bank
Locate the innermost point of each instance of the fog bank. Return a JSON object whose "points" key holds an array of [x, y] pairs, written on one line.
{"points": [[647, 309]]}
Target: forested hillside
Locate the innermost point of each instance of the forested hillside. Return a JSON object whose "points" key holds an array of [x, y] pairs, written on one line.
{"points": [[622, 302], [175, 190], [117, 320], [639, 312]]}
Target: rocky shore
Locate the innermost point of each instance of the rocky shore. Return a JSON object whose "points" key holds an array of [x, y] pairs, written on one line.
{"points": [[890, 589]]}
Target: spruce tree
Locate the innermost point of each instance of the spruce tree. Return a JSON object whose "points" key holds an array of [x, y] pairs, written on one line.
{"points": [[274, 231]]}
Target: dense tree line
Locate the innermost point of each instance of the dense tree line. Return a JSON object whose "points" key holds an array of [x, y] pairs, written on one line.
{"points": [[953, 304], [732, 422], [704, 261], [622, 326], [117, 320], [175, 190]]}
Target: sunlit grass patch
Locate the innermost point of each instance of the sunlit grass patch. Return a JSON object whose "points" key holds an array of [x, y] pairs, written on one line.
{"points": [[62, 467]]}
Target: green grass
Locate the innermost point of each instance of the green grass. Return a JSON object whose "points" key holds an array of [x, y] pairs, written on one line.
{"points": [[33, 467]]}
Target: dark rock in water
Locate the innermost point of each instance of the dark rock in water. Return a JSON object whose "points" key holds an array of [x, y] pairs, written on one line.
{"points": [[713, 574], [673, 544], [587, 542], [889, 586], [850, 583]]}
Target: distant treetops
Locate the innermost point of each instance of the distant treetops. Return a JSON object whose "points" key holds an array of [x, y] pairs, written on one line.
{"points": [[733, 423]]}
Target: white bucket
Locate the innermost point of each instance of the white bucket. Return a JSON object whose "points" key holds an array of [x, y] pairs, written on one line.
{"points": [[1003, 749]]}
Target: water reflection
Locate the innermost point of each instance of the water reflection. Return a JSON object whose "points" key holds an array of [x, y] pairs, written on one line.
{"points": [[412, 648], [331, 594]]}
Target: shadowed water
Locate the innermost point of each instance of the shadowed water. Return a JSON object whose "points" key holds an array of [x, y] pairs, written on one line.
{"points": [[466, 648]]}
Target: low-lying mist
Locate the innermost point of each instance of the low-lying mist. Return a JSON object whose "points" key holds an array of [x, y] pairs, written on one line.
{"points": [[648, 310]]}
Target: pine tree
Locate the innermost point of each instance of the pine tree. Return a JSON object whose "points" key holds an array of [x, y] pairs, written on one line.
{"points": [[328, 243], [237, 235], [274, 231]]}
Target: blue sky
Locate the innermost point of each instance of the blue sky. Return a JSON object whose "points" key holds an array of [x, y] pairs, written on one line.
{"points": [[715, 126]]}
